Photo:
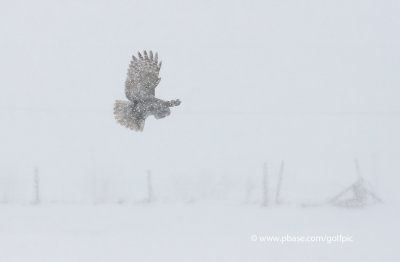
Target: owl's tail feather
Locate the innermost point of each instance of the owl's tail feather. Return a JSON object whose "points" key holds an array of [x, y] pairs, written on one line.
{"points": [[125, 114]]}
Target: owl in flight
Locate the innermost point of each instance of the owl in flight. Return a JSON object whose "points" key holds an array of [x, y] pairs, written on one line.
{"points": [[140, 86]]}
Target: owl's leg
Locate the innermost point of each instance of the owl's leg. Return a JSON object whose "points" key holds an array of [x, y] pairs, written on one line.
{"points": [[140, 124]]}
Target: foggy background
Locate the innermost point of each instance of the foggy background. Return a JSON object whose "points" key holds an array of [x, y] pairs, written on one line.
{"points": [[312, 83]]}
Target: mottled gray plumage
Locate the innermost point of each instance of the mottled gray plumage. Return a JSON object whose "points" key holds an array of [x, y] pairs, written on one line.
{"points": [[140, 85]]}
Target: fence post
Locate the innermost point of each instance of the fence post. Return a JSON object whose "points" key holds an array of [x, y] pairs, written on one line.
{"points": [[149, 187], [36, 185], [278, 187], [265, 185]]}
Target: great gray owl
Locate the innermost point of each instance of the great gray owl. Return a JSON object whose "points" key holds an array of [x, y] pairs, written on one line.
{"points": [[140, 86]]}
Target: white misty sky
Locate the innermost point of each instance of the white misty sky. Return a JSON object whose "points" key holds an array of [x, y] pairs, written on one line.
{"points": [[261, 55], [234, 64]]}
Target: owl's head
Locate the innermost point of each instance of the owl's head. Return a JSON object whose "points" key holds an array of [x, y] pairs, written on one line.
{"points": [[162, 112]]}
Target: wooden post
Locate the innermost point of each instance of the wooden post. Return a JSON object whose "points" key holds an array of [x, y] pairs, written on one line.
{"points": [[36, 186], [265, 185], [149, 187], [278, 188]]}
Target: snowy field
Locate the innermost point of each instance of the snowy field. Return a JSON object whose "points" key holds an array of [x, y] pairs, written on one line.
{"points": [[195, 232]]}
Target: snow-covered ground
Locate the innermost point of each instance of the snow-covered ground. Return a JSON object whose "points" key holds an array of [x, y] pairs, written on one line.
{"points": [[197, 232]]}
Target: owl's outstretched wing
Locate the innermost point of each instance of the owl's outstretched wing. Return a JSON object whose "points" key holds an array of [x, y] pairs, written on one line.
{"points": [[142, 77]]}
